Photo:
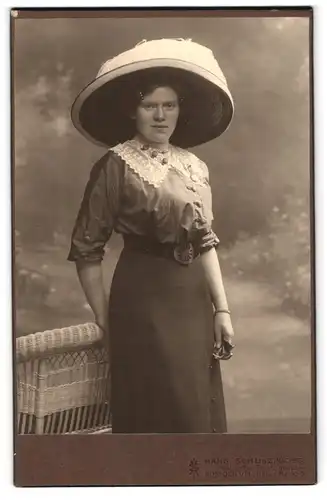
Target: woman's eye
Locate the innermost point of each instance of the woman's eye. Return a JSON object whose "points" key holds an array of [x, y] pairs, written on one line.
{"points": [[151, 106], [148, 106]]}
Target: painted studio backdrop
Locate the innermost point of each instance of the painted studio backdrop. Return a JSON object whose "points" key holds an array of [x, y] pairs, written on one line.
{"points": [[260, 177]]}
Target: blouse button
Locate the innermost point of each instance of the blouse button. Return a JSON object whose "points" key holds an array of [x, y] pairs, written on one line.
{"points": [[191, 188], [198, 204]]}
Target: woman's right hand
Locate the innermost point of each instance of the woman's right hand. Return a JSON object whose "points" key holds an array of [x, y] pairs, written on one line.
{"points": [[104, 328]]}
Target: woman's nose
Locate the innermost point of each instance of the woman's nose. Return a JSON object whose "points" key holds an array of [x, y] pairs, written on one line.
{"points": [[159, 113]]}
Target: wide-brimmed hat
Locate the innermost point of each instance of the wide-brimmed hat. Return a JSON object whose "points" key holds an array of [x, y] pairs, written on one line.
{"points": [[98, 111]]}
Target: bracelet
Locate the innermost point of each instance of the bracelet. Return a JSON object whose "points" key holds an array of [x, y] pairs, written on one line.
{"points": [[217, 311]]}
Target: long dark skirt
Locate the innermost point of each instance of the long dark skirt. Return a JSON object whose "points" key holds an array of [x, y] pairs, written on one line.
{"points": [[164, 379]]}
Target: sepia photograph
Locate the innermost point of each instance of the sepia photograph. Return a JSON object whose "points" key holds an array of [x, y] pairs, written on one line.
{"points": [[162, 222]]}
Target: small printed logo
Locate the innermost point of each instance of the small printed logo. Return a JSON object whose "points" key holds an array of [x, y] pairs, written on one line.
{"points": [[194, 468]]}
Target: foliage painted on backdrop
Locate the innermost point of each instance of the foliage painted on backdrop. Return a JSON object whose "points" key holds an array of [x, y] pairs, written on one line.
{"points": [[280, 255], [259, 169]]}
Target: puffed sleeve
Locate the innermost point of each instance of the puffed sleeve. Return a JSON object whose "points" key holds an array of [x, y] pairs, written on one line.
{"points": [[208, 239], [98, 211]]}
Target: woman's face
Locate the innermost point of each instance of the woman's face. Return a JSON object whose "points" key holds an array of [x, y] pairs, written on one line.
{"points": [[157, 115]]}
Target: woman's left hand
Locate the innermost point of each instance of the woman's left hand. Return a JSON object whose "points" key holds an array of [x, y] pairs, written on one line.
{"points": [[223, 329]]}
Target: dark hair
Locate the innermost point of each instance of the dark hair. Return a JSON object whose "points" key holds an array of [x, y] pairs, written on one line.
{"points": [[142, 87]]}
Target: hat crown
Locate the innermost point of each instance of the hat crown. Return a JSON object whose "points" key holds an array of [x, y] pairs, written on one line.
{"points": [[177, 49]]}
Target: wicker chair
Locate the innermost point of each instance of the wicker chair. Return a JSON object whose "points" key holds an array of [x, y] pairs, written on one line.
{"points": [[63, 382]]}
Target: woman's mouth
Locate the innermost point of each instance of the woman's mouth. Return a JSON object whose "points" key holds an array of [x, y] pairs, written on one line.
{"points": [[160, 128]]}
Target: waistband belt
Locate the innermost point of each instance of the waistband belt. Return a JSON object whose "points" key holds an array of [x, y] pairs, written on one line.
{"points": [[183, 254]]}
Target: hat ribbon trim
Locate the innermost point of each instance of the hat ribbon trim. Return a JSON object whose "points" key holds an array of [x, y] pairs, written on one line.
{"points": [[179, 64]]}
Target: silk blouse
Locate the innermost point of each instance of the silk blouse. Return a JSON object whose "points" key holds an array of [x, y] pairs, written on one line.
{"points": [[133, 189]]}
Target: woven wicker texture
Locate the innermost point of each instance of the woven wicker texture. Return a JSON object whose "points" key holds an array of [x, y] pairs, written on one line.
{"points": [[63, 392], [57, 340]]}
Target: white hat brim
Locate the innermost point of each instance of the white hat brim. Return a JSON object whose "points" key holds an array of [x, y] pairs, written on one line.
{"points": [[84, 113]]}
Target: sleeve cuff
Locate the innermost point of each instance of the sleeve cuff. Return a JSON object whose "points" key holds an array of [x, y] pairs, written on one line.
{"points": [[209, 240], [76, 255]]}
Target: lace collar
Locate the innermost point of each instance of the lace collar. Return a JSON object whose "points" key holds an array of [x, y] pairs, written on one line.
{"points": [[153, 170]]}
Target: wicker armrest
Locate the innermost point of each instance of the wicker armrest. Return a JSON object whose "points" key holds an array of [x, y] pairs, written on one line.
{"points": [[54, 341]]}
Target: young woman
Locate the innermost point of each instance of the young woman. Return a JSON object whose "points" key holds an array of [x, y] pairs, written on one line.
{"points": [[167, 322]]}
